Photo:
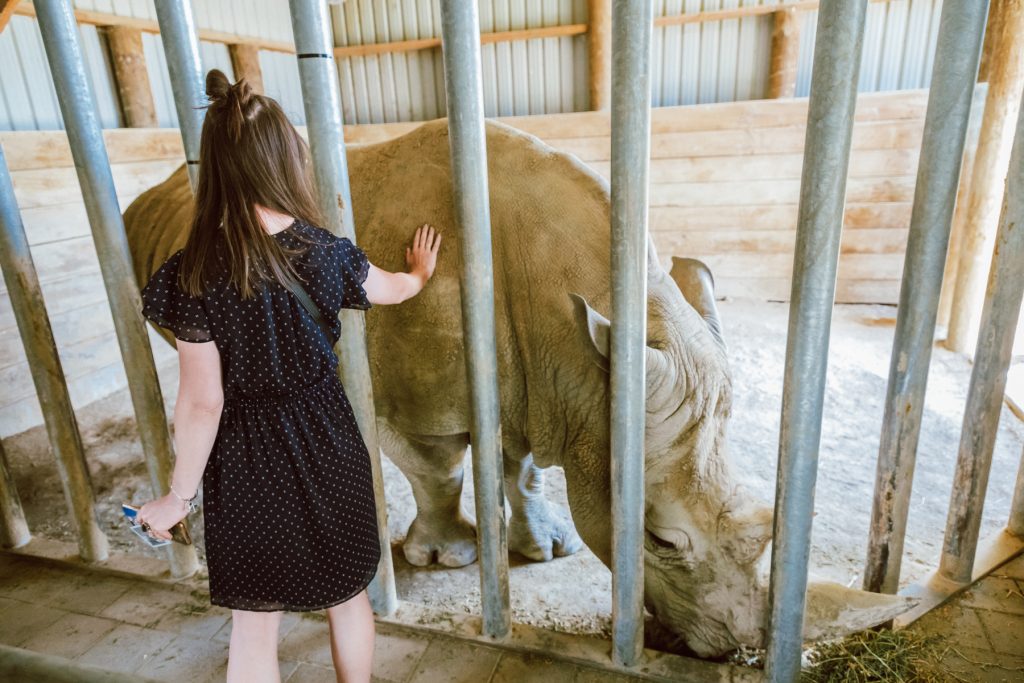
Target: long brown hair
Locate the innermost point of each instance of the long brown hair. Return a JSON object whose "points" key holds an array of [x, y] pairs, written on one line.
{"points": [[249, 154]]}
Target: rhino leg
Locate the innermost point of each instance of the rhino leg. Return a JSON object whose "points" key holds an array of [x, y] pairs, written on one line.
{"points": [[538, 529], [434, 468]]}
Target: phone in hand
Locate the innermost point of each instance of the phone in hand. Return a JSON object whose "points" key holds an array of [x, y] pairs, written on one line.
{"points": [[178, 532]]}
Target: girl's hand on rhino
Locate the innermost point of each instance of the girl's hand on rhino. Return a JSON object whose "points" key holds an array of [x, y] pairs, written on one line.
{"points": [[421, 257]]}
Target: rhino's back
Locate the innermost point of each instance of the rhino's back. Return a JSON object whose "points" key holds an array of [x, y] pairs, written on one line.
{"points": [[549, 218]]}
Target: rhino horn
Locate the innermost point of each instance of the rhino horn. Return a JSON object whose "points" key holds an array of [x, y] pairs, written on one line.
{"points": [[833, 610], [694, 280]]}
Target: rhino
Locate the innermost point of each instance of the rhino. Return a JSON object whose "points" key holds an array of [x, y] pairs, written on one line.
{"points": [[705, 536]]}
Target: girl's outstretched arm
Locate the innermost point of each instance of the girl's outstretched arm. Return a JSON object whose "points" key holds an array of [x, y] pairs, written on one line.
{"points": [[383, 287]]}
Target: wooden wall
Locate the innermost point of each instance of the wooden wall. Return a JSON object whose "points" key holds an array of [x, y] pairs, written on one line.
{"points": [[724, 188]]}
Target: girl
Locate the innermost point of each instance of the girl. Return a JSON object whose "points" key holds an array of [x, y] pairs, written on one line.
{"points": [[261, 418]]}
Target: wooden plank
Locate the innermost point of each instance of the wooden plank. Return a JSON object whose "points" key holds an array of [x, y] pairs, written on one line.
{"points": [[785, 53], [131, 77], [485, 39], [46, 187], [599, 52], [851, 266], [245, 62], [7, 8], [869, 135], [768, 192], [151, 26], [863, 164], [36, 149], [740, 240], [773, 217], [779, 289], [734, 13]]}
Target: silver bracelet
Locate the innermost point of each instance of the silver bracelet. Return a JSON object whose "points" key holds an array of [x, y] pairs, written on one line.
{"points": [[191, 502]]}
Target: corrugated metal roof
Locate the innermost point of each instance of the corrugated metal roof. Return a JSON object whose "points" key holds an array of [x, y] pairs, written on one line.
{"points": [[712, 61]]}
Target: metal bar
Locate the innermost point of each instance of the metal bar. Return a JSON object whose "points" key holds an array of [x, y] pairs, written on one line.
{"points": [[938, 173], [14, 531], [630, 161], [833, 97], [181, 49], [48, 375], [464, 90], [60, 38], [988, 376], [1015, 525], [322, 101]]}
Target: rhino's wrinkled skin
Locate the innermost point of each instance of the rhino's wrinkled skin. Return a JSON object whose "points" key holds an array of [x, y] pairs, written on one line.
{"points": [[705, 536]]}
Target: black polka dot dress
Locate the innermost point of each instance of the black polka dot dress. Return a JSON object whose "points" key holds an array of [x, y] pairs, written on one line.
{"points": [[288, 500]]}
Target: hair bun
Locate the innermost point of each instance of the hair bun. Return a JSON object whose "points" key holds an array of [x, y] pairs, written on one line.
{"points": [[229, 101]]}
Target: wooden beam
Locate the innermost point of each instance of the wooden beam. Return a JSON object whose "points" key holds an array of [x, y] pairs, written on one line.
{"points": [[485, 39], [599, 46], [785, 56], [131, 77], [735, 13], [245, 61], [25, 8], [1005, 80], [7, 8]]}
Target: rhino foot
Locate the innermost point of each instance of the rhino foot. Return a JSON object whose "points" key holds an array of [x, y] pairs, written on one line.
{"points": [[451, 542], [542, 532]]}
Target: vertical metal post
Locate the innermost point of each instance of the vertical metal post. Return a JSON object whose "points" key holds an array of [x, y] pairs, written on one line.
{"points": [[181, 49], [320, 95], [48, 376], [460, 41], [938, 173], [837, 52], [1015, 525], [14, 531], [60, 38], [988, 376], [632, 25]]}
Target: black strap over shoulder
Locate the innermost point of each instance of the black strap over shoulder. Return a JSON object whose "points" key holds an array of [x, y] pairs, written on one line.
{"points": [[311, 308]]}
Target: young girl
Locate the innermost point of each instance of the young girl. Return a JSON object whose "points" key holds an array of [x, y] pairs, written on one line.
{"points": [[261, 418]]}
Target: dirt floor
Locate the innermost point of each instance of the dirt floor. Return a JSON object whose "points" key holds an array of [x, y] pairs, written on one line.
{"points": [[573, 593]]}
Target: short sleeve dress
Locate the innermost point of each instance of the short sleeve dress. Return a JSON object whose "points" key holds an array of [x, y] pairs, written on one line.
{"points": [[288, 502]]}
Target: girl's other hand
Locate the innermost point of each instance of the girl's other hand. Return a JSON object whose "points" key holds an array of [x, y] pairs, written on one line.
{"points": [[421, 257]]}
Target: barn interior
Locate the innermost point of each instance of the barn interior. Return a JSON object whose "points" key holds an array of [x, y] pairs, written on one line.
{"points": [[730, 81]]}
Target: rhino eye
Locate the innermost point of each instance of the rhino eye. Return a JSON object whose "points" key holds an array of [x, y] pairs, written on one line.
{"points": [[661, 542]]}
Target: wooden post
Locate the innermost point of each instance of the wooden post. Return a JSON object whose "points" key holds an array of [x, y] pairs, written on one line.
{"points": [[6, 12], [1006, 79], [245, 60], [132, 79], [785, 53], [599, 42]]}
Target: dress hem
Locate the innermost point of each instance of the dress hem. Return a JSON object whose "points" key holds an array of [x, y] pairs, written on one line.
{"points": [[366, 582]]}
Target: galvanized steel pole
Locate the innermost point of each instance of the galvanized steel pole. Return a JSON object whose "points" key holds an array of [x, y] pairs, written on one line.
{"points": [[60, 38], [51, 388], [833, 97], [181, 49], [14, 531], [938, 173], [1015, 523], [988, 376], [322, 102], [632, 25], [460, 41]]}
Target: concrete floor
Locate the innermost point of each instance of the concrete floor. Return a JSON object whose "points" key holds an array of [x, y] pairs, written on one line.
{"points": [[169, 632], [984, 628]]}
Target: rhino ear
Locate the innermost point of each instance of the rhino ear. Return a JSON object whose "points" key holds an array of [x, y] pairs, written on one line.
{"points": [[594, 330], [694, 280]]}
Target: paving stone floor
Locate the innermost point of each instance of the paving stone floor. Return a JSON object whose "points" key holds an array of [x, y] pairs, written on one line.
{"points": [[984, 627], [167, 634]]}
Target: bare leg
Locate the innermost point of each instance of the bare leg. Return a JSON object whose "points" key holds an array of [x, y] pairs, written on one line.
{"points": [[352, 635], [252, 655]]}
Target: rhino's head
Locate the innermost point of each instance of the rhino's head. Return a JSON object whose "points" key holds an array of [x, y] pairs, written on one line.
{"points": [[706, 538]]}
